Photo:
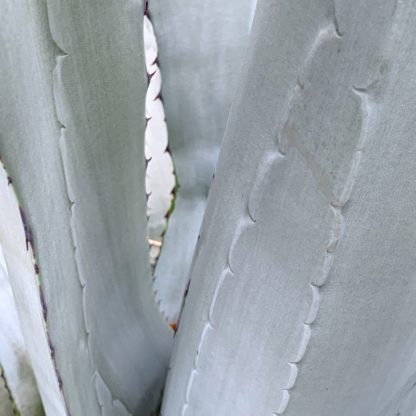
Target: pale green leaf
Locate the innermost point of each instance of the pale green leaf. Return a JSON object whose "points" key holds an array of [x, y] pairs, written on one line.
{"points": [[14, 358], [302, 295], [72, 138]]}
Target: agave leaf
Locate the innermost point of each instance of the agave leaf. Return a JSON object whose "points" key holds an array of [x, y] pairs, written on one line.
{"points": [[200, 50], [303, 284], [160, 177], [23, 307], [72, 137], [13, 354]]}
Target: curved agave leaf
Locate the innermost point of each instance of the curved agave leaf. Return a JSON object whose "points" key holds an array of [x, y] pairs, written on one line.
{"points": [[13, 354], [303, 284], [160, 176], [72, 136], [31, 315], [201, 46]]}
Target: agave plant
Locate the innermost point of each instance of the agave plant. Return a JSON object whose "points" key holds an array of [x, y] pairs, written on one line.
{"points": [[301, 278]]}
